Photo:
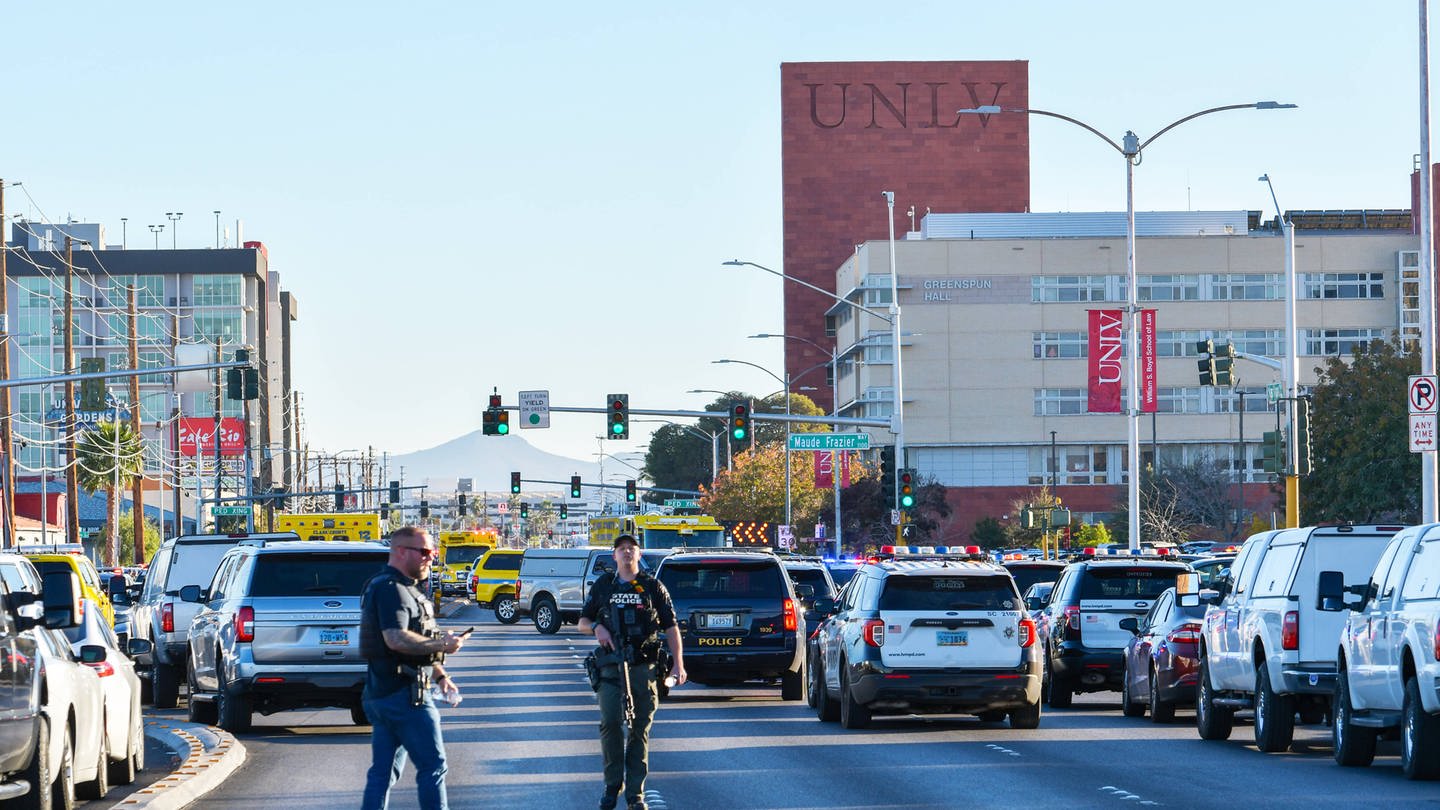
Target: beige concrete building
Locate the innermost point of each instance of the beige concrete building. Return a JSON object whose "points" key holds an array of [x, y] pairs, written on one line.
{"points": [[994, 310]]}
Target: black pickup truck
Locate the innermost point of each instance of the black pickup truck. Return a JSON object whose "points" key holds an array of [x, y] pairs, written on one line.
{"points": [[26, 773]]}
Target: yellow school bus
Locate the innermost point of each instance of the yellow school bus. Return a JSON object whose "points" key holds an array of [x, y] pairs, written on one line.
{"points": [[658, 531], [334, 526], [458, 552]]}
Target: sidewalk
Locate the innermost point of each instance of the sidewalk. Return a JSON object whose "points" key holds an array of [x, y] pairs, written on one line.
{"points": [[207, 758]]}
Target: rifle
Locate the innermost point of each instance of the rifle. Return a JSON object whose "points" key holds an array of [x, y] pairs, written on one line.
{"points": [[625, 654]]}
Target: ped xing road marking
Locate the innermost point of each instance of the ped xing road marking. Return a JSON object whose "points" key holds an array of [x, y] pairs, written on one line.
{"points": [[1125, 795]]}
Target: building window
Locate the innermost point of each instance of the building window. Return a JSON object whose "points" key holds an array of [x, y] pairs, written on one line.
{"points": [[1168, 288], [842, 317], [149, 328], [149, 291], [36, 292], [217, 291], [1078, 465], [1227, 400], [147, 360], [210, 327], [1177, 343], [1065, 289], [1338, 342], [1266, 342], [1059, 344], [1343, 285], [1060, 401], [1180, 400], [1245, 287]]}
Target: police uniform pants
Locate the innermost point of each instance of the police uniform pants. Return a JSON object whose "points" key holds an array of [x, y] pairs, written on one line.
{"points": [[627, 763]]}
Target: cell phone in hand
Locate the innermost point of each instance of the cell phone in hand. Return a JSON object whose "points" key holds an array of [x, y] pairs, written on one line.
{"points": [[467, 632]]}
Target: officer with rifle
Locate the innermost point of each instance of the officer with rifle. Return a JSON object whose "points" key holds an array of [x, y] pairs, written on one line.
{"points": [[627, 612]]}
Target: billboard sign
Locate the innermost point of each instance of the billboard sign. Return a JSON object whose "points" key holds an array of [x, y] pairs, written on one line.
{"points": [[197, 436]]}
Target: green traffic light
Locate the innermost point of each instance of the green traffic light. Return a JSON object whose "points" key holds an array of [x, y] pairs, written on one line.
{"points": [[617, 428], [502, 428], [907, 501], [739, 434]]}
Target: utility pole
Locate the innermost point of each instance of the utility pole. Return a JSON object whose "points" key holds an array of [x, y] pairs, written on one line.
{"points": [[6, 436], [72, 489], [137, 484], [175, 437], [216, 437]]}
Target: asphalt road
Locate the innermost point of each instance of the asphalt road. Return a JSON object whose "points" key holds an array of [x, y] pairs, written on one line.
{"points": [[525, 736]]}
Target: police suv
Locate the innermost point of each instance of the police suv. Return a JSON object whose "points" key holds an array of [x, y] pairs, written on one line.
{"points": [[930, 635]]}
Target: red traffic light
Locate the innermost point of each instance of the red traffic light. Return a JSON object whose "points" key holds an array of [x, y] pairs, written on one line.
{"points": [[494, 400]]}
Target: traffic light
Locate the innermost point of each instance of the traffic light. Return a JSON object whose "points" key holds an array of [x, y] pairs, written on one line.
{"points": [[92, 392], [394, 492], [887, 474], [278, 497], [502, 422], [495, 421], [630, 490], [384, 512], [1272, 451], [907, 488], [424, 509], [1224, 359], [575, 486], [618, 412], [514, 483], [339, 498], [524, 510], [251, 382], [1207, 370], [462, 504], [739, 420], [1305, 460], [235, 377], [564, 512]]}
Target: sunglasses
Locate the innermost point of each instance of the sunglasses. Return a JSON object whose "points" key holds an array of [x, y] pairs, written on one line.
{"points": [[425, 551]]}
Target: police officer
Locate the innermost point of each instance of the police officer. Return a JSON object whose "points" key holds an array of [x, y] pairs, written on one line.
{"points": [[643, 606], [402, 645]]}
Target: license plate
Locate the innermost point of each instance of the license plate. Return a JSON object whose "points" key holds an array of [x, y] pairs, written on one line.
{"points": [[335, 637], [959, 638], [716, 620]]}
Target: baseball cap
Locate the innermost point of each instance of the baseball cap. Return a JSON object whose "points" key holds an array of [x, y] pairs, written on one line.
{"points": [[627, 538]]}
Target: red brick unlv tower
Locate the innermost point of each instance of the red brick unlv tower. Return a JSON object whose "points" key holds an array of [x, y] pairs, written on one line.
{"points": [[850, 130]]}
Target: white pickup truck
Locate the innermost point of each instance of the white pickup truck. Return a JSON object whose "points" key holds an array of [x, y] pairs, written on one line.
{"points": [[1388, 646], [1266, 646]]}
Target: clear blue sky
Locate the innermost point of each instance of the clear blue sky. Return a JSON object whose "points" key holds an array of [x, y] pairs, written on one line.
{"points": [[467, 195]]}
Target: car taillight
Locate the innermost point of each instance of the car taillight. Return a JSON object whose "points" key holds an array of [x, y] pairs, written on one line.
{"points": [[102, 668], [1072, 623], [1027, 632], [875, 632], [790, 620], [245, 624], [1437, 641], [167, 618], [517, 590], [1290, 631], [1187, 633]]}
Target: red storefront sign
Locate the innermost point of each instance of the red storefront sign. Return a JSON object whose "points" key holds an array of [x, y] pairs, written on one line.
{"points": [[1149, 386], [1105, 339], [198, 433]]}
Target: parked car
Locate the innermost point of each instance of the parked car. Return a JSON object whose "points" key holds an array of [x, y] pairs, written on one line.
{"points": [[1029, 572], [1211, 567], [279, 629], [1084, 642], [813, 575], [554, 582], [739, 618], [841, 571], [492, 582], [98, 647], [1266, 645], [63, 701], [1388, 680], [122, 591], [927, 636], [1161, 661], [164, 620], [71, 556], [36, 738]]}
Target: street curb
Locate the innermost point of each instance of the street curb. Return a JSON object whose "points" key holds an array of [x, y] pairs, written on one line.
{"points": [[452, 607], [207, 758]]}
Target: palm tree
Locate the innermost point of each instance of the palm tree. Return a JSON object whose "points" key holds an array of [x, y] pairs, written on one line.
{"points": [[109, 456]]}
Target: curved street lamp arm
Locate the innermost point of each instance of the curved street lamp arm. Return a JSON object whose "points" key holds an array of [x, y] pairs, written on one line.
{"points": [[1077, 122], [777, 377], [1252, 106], [867, 310]]}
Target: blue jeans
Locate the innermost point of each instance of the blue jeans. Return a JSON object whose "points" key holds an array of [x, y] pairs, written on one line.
{"points": [[397, 729]]}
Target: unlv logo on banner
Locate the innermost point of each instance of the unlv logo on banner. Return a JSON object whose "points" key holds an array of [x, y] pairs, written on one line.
{"points": [[1105, 338], [200, 431]]}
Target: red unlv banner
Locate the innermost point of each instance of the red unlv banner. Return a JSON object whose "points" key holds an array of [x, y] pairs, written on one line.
{"points": [[1149, 387], [1106, 338], [825, 461], [199, 431]]}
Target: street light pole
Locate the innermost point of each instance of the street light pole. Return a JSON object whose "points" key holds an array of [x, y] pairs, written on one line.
{"points": [[1290, 371], [1130, 148]]}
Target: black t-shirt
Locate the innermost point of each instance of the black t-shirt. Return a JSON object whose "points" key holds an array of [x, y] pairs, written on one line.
{"points": [[643, 600], [391, 602]]}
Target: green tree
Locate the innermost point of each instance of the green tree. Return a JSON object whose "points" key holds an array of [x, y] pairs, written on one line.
{"points": [[127, 539], [988, 533], [1363, 468], [1092, 535], [109, 456], [678, 458], [755, 489]]}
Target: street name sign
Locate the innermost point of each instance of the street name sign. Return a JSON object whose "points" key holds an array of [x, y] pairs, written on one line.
{"points": [[1272, 392], [682, 503], [1422, 432], [829, 441], [534, 409], [1423, 394]]}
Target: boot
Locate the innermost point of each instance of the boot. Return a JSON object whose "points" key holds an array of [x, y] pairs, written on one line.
{"points": [[610, 798]]}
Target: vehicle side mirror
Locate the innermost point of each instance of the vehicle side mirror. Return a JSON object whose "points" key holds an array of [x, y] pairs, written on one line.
{"points": [[191, 593], [1034, 604], [824, 605], [805, 593], [133, 591], [1130, 623], [1187, 584], [139, 646], [1330, 592], [60, 596], [92, 654]]}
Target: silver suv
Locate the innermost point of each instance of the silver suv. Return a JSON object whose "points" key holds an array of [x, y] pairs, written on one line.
{"points": [[278, 629]]}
